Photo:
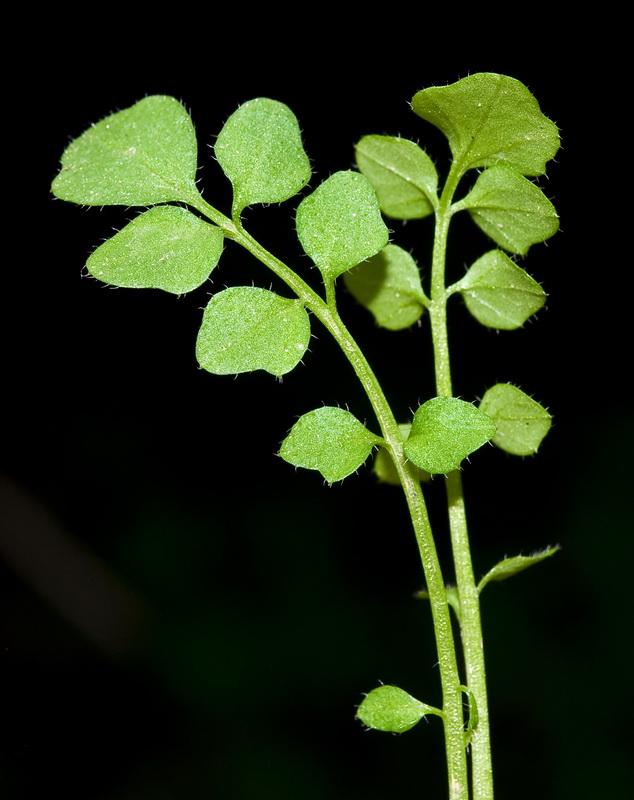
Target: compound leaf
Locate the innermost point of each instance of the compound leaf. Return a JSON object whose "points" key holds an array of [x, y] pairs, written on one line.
{"points": [[511, 566], [490, 119], [388, 285], [260, 150], [444, 431], [499, 293], [510, 209], [164, 248], [143, 155], [388, 708], [245, 328], [403, 175], [330, 440], [340, 223], [521, 422]]}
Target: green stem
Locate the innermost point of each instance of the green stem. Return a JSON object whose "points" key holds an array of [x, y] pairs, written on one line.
{"points": [[326, 312], [470, 622]]}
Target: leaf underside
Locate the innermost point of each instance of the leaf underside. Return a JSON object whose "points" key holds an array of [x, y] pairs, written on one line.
{"points": [[511, 566]]}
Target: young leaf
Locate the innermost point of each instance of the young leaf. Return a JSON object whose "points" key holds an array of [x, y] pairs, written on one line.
{"points": [[340, 223], [521, 422], [389, 286], [510, 209], [474, 716], [388, 708], [384, 468], [245, 328], [330, 440], [444, 431], [143, 155], [511, 566], [500, 294], [490, 119], [403, 175], [260, 150], [164, 248]]}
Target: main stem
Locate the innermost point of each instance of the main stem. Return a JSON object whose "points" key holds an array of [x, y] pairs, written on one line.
{"points": [[470, 622], [326, 312]]}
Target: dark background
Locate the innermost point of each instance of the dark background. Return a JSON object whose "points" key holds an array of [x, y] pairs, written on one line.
{"points": [[183, 615]]}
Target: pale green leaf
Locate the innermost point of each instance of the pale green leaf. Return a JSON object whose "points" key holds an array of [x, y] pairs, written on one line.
{"points": [[499, 293], [245, 328], [510, 209], [143, 155], [490, 119], [164, 248], [340, 223], [384, 467], [388, 708], [330, 440], [403, 175], [511, 566], [521, 422], [260, 150], [444, 431], [388, 285]]}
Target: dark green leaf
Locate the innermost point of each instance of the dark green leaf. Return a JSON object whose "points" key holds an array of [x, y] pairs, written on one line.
{"points": [[260, 150], [444, 431], [164, 248], [245, 328], [403, 175], [490, 119], [389, 708], [340, 223], [510, 209], [388, 285], [511, 566], [330, 440], [500, 294], [143, 155], [521, 422]]}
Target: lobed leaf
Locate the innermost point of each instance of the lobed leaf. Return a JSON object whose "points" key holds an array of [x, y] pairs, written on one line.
{"points": [[164, 248], [444, 431], [510, 209], [511, 566], [403, 175], [388, 708], [389, 286], [521, 422], [141, 156], [260, 150], [340, 224], [330, 440], [499, 293], [245, 328], [490, 119]]}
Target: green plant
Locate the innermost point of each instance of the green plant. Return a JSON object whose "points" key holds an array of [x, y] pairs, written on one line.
{"points": [[147, 156]]}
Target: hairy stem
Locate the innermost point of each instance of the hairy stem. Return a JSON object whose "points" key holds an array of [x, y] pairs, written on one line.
{"points": [[326, 312], [470, 622]]}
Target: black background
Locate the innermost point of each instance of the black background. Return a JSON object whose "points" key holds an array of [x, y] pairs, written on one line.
{"points": [[183, 615]]}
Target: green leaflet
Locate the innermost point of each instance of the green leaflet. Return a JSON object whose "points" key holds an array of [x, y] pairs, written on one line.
{"points": [[340, 224], [403, 175], [499, 293], [388, 285], [510, 209], [246, 328], [511, 566], [388, 708], [330, 440], [521, 422], [446, 430], [260, 150], [164, 248], [490, 119], [143, 155]]}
